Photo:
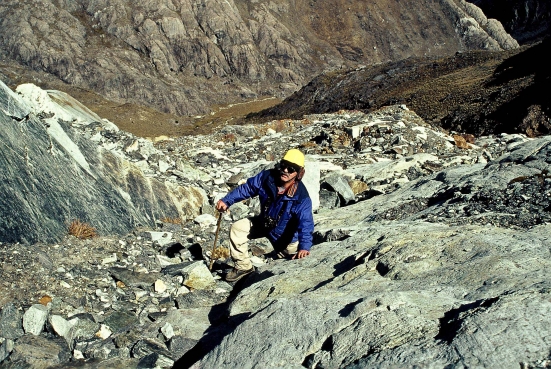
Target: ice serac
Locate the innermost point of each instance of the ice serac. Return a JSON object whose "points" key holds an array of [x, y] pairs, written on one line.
{"points": [[55, 169]]}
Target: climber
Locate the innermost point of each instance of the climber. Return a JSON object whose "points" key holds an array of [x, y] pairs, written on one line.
{"points": [[285, 214]]}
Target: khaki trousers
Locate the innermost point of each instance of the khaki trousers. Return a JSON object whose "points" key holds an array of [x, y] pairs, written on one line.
{"points": [[247, 229]]}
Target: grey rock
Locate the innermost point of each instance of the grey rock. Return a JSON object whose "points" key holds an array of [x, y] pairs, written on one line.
{"points": [[146, 347], [387, 283], [189, 323], [179, 345], [340, 185], [69, 177], [204, 220], [329, 199], [134, 279], [155, 360], [120, 321], [198, 276], [6, 348], [84, 326], [39, 352], [239, 211], [35, 318], [11, 323], [200, 298], [312, 181], [161, 238], [60, 325], [176, 269]]}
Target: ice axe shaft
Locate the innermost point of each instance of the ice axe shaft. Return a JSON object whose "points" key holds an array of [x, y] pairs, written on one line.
{"points": [[215, 239]]}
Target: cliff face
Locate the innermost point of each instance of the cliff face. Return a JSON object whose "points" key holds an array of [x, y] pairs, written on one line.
{"points": [[185, 57], [525, 20]]}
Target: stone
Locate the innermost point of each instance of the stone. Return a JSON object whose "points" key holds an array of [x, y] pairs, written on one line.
{"points": [[6, 347], [176, 269], [198, 276], [155, 360], [167, 331], [189, 323], [161, 238], [60, 325], [179, 345], [11, 323], [104, 332], [39, 352], [205, 220], [340, 185], [84, 327], [311, 180], [120, 321], [134, 279], [34, 319], [358, 186], [148, 346], [329, 199], [76, 165], [160, 286]]}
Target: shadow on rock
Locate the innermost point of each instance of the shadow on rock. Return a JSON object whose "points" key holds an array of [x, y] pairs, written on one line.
{"points": [[221, 323]]}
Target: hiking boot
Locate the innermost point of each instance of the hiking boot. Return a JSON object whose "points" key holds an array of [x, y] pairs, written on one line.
{"points": [[236, 274]]}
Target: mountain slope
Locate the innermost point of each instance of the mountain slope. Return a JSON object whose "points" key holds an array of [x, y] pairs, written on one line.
{"points": [[189, 58], [473, 92]]}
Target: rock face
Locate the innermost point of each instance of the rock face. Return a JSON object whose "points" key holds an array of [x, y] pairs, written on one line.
{"points": [[419, 290], [185, 57], [54, 174], [525, 20]]}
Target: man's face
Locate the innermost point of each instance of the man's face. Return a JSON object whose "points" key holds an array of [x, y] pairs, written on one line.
{"points": [[287, 171]]}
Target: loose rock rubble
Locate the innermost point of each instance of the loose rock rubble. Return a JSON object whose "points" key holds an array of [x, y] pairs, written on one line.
{"points": [[146, 299]]}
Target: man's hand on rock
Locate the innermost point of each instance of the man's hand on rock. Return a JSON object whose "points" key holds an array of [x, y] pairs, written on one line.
{"points": [[221, 206], [301, 254]]}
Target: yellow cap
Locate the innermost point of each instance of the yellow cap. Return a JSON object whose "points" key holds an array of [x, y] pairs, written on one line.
{"points": [[294, 156]]}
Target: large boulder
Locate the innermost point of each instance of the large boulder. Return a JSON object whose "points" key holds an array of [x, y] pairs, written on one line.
{"points": [[55, 173], [432, 287]]}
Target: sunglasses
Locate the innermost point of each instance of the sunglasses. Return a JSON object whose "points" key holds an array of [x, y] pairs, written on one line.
{"points": [[290, 168]]}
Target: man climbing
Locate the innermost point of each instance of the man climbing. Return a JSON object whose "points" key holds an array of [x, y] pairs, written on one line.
{"points": [[285, 214]]}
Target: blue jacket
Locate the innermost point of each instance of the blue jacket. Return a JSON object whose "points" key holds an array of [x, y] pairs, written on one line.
{"points": [[293, 215]]}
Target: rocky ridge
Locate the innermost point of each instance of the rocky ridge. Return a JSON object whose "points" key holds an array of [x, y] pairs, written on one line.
{"points": [[431, 248], [480, 93], [189, 58]]}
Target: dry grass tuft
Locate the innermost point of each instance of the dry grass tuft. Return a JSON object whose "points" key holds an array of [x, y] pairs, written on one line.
{"points": [[175, 220], [229, 137], [220, 253], [81, 230]]}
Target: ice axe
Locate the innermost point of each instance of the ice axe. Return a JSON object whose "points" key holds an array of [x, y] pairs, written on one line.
{"points": [[215, 239]]}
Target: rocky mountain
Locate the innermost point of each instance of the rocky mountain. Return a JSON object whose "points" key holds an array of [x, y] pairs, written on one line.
{"points": [[474, 92], [525, 20], [431, 247], [188, 59]]}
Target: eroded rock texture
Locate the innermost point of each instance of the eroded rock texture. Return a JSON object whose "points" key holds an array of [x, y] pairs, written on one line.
{"points": [[52, 175], [408, 292], [183, 57]]}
